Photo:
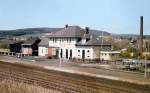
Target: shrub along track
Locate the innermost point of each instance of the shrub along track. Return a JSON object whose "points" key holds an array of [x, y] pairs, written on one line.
{"points": [[66, 82]]}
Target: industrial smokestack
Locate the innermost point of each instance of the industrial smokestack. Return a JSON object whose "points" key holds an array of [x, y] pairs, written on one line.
{"points": [[141, 34]]}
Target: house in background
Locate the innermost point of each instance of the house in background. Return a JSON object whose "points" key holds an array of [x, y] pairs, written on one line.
{"points": [[76, 42], [30, 47], [15, 46]]}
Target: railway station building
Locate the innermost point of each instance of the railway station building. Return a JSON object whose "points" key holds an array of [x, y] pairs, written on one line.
{"points": [[74, 42]]}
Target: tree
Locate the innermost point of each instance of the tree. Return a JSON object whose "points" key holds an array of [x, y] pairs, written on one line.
{"points": [[4, 46], [131, 53]]}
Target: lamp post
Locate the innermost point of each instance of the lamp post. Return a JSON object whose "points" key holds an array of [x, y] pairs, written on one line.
{"points": [[60, 62], [60, 58]]}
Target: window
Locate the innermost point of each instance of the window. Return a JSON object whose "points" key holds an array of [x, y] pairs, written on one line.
{"points": [[88, 56], [78, 50], [88, 50], [53, 40], [113, 54], [70, 40]]}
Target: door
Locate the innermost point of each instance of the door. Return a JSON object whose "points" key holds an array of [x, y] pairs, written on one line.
{"points": [[83, 54], [70, 53], [57, 53], [61, 53], [67, 53]]}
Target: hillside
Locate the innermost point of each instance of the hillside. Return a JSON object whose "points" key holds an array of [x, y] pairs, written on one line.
{"points": [[19, 32]]}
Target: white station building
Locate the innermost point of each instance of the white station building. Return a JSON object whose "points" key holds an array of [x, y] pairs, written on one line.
{"points": [[74, 42]]}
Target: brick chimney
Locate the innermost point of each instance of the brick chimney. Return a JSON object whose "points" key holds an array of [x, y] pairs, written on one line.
{"points": [[66, 26], [141, 34], [87, 30]]}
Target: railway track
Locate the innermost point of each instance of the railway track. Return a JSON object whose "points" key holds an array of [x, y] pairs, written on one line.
{"points": [[66, 82]]}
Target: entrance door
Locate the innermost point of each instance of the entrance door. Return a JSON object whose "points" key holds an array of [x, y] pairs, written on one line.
{"points": [[57, 53], [61, 53], [83, 54], [70, 53], [66, 53]]}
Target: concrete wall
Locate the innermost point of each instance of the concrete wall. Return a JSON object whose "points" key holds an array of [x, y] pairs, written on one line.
{"points": [[96, 52], [64, 44]]}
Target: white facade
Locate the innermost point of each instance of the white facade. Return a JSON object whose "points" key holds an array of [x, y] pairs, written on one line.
{"points": [[64, 45], [68, 49], [42, 51], [88, 52]]}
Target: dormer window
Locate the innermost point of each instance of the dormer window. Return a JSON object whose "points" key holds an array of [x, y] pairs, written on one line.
{"points": [[83, 41], [87, 39]]}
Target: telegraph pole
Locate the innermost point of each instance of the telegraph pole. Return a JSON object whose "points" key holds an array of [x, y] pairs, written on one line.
{"points": [[145, 74]]}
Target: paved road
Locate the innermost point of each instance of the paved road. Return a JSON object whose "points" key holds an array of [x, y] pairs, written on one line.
{"points": [[127, 76]]}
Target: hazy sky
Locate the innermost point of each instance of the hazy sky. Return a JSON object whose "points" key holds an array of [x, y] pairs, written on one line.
{"points": [[116, 16]]}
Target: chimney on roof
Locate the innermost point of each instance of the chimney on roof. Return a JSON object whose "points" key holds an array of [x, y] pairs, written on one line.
{"points": [[141, 34], [66, 26], [87, 30]]}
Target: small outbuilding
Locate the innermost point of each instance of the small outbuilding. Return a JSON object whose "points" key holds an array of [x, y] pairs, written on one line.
{"points": [[109, 55], [30, 47]]}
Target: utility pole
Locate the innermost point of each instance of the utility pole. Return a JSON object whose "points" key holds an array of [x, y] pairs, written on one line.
{"points": [[145, 74], [60, 58], [101, 46]]}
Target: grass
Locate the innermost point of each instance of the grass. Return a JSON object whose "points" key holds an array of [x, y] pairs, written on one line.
{"points": [[10, 86]]}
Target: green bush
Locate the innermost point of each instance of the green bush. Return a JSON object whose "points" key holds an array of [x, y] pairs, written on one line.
{"points": [[135, 51], [4, 46]]}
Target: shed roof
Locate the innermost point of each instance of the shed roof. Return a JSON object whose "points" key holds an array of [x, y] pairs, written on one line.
{"points": [[94, 41]]}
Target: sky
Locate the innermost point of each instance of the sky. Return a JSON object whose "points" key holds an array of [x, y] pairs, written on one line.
{"points": [[114, 16]]}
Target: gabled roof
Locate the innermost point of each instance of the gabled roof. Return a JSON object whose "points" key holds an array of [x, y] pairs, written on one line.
{"points": [[70, 31], [44, 42], [78, 32]]}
